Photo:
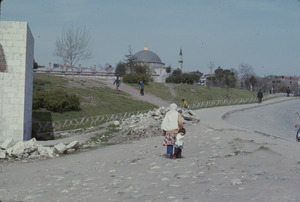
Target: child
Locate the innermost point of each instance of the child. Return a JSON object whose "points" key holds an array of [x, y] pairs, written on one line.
{"points": [[118, 83], [179, 143], [142, 87], [185, 104]]}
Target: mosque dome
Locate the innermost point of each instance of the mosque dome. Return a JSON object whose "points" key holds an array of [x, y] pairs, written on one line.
{"points": [[146, 56]]}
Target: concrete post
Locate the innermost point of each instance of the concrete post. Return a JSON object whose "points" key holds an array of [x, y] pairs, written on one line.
{"points": [[16, 83]]}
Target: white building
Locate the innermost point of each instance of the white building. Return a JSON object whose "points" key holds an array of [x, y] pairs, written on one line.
{"points": [[157, 67]]}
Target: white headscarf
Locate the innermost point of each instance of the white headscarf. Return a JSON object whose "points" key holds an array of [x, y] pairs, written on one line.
{"points": [[170, 121]]}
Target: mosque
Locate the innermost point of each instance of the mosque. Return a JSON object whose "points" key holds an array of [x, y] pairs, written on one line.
{"points": [[157, 67]]}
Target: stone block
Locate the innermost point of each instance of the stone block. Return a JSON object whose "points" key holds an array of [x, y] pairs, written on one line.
{"points": [[45, 151], [60, 148], [9, 142], [73, 145], [30, 145], [2, 154], [16, 150]]}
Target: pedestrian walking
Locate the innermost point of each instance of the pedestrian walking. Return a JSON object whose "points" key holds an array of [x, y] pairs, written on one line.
{"points": [[288, 91], [170, 126], [260, 95], [141, 86], [118, 83], [179, 143]]}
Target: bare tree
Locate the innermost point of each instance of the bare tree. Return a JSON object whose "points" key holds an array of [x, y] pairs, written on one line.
{"points": [[246, 71], [73, 45]]}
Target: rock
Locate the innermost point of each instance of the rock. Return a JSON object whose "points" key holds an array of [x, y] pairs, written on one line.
{"points": [[30, 145], [73, 145], [47, 152], [236, 182], [2, 154], [190, 116], [9, 142], [116, 123], [156, 113], [60, 148], [181, 176], [16, 150]]}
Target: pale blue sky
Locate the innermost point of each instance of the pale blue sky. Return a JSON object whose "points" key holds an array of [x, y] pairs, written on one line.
{"points": [[262, 33]]}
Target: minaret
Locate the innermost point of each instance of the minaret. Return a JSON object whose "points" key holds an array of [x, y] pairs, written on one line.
{"points": [[180, 60], [145, 46]]}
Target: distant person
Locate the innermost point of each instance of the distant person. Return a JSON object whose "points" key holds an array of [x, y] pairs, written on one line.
{"points": [[142, 87], [118, 83], [288, 91], [179, 143], [185, 104], [260, 95], [170, 126]]}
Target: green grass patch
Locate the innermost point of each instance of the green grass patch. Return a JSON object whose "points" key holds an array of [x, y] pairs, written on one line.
{"points": [[94, 100]]}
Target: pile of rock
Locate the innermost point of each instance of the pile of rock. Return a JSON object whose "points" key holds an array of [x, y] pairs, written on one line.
{"points": [[32, 150], [137, 126], [147, 124]]}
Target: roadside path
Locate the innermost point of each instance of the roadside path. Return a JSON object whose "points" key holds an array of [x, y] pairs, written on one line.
{"points": [[135, 93], [221, 162]]}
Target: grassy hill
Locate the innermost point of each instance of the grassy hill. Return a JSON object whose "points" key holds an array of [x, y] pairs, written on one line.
{"points": [[98, 99]]}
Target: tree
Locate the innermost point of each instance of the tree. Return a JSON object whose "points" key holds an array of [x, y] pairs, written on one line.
{"points": [[120, 69], [252, 81], [73, 45], [130, 61], [229, 79], [176, 72], [141, 69], [246, 71], [169, 69], [35, 65], [219, 75]]}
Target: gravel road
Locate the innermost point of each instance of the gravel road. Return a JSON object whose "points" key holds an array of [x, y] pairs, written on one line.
{"points": [[222, 162]]}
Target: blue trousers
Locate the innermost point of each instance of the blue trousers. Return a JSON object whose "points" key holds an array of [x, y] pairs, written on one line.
{"points": [[169, 149]]}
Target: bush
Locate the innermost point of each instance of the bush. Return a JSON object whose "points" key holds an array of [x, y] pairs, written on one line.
{"points": [[135, 78], [183, 78], [56, 101]]}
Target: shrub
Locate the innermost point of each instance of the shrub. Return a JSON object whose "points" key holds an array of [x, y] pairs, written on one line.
{"points": [[135, 78], [38, 99], [56, 101], [183, 78]]}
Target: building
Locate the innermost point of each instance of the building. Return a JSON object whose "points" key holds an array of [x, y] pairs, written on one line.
{"points": [[157, 67], [180, 60]]}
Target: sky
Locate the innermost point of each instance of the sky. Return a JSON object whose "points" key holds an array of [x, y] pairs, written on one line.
{"points": [[264, 34]]}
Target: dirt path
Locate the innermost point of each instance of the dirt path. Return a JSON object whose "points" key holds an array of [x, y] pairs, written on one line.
{"points": [[171, 88], [221, 163], [135, 93]]}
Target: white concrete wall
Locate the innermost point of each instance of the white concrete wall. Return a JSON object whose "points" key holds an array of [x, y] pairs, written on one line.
{"points": [[16, 84]]}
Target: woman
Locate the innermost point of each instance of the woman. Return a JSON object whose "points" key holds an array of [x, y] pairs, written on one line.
{"points": [[170, 126]]}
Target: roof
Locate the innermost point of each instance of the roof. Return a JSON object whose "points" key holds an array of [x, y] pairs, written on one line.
{"points": [[147, 56]]}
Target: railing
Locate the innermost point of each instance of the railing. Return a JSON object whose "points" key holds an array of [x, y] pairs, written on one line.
{"points": [[85, 122], [88, 122]]}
